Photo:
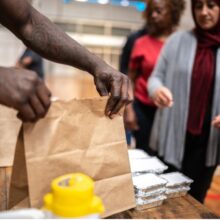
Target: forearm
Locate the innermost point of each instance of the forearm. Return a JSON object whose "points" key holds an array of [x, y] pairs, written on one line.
{"points": [[41, 35]]}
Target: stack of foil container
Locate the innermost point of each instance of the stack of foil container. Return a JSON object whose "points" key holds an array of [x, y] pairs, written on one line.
{"points": [[177, 184], [150, 190], [151, 186]]}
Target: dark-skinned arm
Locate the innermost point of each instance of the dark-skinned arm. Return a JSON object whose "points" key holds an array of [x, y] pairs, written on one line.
{"points": [[24, 91], [40, 34]]}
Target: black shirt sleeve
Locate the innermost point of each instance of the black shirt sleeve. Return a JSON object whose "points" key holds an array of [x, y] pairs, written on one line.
{"points": [[127, 49]]}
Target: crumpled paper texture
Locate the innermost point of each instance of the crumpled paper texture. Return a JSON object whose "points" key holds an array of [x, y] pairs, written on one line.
{"points": [[9, 129], [75, 136]]}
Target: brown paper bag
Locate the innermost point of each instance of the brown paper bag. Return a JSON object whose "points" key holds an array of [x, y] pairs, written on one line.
{"points": [[75, 136], [9, 129]]}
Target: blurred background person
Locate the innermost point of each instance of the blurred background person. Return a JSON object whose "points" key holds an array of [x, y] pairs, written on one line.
{"points": [[127, 48], [125, 58], [163, 17], [31, 61], [187, 77]]}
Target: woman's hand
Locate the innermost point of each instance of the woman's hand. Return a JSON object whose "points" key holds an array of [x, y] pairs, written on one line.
{"points": [[216, 122], [130, 119], [163, 97]]}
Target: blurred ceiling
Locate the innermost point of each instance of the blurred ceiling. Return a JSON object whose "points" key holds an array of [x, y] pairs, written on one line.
{"points": [[140, 5]]}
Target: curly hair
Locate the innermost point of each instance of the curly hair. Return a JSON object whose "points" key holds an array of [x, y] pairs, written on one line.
{"points": [[176, 8]]}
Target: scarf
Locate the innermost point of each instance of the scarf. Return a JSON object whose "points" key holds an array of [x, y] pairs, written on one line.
{"points": [[203, 74]]}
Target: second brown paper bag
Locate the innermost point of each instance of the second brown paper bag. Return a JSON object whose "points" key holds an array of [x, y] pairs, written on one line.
{"points": [[9, 129], [75, 136]]}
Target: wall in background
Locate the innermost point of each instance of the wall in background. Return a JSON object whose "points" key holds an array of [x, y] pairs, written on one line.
{"points": [[101, 28]]}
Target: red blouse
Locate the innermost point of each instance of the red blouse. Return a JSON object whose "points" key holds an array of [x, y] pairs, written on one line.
{"points": [[143, 59]]}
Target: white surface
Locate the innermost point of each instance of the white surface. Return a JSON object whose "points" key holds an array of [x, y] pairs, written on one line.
{"points": [[23, 214]]}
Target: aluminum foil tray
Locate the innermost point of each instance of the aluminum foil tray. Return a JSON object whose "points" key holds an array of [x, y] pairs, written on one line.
{"points": [[147, 193], [150, 196], [176, 194], [148, 182], [181, 191], [176, 179], [149, 165], [142, 204]]}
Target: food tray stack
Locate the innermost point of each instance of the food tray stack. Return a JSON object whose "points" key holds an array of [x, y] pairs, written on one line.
{"points": [[177, 184], [150, 191]]}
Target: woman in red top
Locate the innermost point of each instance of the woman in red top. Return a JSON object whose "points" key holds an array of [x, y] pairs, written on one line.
{"points": [[163, 16]]}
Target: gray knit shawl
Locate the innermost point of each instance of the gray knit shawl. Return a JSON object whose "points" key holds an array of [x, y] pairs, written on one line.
{"points": [[173, 70]]}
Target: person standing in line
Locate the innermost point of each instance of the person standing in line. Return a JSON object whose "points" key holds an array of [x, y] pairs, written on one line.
{"points": [[163, 17], [125, 58], [187, 79], [31, 61]]}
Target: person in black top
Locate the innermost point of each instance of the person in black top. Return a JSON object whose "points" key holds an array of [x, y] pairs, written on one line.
{"points": [[31, 61], [125, 57], [124, 63], [127, 49]]}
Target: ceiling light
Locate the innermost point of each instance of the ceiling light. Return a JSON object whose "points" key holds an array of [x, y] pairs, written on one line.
{"points": [[103, 1], [81, 0], [124, 2]]}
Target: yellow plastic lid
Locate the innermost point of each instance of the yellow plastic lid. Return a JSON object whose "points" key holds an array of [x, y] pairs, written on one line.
{"points": [[73, 196]]}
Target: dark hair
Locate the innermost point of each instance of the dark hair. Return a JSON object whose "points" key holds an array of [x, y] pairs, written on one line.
{"points": [[193, 2], [176, 8]]}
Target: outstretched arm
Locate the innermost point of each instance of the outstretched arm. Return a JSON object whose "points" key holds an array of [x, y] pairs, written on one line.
{"points": [[41, 35]]}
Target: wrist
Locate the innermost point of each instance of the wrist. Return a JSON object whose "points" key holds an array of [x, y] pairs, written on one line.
{"points": [[98, 67]]}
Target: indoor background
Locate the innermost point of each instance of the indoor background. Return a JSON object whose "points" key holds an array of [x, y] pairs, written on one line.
{"points": [[102, 27]]}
